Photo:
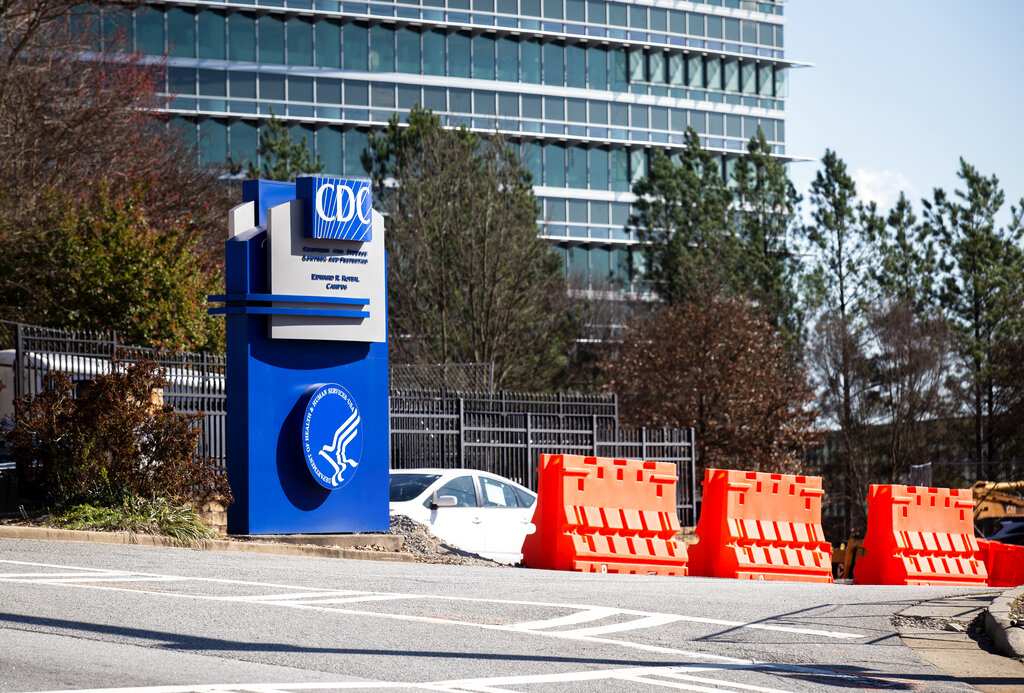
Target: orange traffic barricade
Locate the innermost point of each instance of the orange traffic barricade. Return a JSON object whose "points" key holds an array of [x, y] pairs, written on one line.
{"points": [[602, 515], [760, 526], [919, 536], [1003, 562]]}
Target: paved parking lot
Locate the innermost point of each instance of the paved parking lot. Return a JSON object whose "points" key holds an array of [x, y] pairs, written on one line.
{"points": [[90, 616]]}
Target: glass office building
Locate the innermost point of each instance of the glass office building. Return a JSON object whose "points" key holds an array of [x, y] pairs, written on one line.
{"points": [[584, 88]]}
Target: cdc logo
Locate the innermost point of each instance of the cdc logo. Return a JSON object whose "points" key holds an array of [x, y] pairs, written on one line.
{"points": [[331, 436], [336, 208]]}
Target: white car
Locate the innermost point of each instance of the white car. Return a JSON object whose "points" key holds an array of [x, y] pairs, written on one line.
{"points": [[471, 510]]}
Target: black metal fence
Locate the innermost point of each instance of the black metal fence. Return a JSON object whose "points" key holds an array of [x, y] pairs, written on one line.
{"points": [[196, 381], [957, 474], [500, 432], [506, 434]]}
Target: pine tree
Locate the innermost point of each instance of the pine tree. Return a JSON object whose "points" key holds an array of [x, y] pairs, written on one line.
{"points": [[283, 158], [982, 270], [682, 215], [767, 203], [469, 280]]}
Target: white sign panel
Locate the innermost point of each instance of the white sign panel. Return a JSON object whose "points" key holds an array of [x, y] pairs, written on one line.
{"points": [[348, 276]]}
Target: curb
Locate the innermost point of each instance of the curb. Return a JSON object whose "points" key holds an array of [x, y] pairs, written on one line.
{"points": [[1009, 639], [51, 534]]}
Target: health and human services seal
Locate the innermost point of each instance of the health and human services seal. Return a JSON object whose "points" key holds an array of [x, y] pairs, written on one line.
{"points": [[332, 436]]}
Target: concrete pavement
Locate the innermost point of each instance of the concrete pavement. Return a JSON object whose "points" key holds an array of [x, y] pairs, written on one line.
{"points": [[940, 631]]}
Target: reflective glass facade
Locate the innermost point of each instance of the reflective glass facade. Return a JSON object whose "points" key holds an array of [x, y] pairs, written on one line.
{"points": [[584, 88]]}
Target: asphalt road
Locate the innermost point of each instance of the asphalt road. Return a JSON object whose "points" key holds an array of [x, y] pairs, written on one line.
{"points": [[94, 616]]}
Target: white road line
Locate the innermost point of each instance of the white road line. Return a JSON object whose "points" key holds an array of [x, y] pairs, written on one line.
{"points": [[15, 576], [649, 622], [277, 598], [306, 592], [352, 600], [732, 684], [570, 620], [103, 578]]}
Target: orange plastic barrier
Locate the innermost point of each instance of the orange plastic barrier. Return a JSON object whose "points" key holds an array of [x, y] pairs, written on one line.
{"points": [[760, 526], [919, 536], [1004, 563], [601, 515]]}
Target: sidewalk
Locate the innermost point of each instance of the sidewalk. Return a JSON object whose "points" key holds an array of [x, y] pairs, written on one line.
{"points": [[367, 547], [949, 634]]}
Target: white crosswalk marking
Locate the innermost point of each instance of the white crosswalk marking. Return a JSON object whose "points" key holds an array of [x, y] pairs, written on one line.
{"points": [[569, 620], [648, 622]]}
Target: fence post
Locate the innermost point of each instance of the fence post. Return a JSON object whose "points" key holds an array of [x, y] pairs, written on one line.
{"points": [[462, 435], [643, 443], [593, 432], [529, 450], [19, 353], [693, 476]]}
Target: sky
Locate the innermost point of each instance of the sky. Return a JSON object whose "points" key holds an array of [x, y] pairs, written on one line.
{"points": [[901, 89]]}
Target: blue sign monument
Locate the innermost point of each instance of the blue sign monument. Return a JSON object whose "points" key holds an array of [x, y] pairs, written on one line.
{"points": [[307, 361]]}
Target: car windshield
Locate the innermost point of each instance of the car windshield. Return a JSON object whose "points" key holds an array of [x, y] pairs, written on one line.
{"points": [[405, 487]]}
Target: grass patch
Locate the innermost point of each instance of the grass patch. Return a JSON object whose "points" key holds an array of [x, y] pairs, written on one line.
{"points": [[158, 517]]}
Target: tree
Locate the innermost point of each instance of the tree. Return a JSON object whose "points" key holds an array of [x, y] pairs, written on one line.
{"points": [[716, 364], [469, 280], [909, 356], [835, 287], [905, 261], [982, 270], [767, 204], [109, 443], [283, 157], [682, 216], [79, 115]]}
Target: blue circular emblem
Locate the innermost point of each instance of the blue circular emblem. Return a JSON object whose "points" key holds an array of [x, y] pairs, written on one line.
{"points": [[332, 436]]}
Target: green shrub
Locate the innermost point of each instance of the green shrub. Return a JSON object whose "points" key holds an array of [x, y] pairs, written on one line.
{"points": [[144, 517], [111, 445]]}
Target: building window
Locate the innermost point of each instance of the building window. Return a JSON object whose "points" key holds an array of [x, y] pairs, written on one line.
{"points": [[577, 168], [271, 40], [211, 35], [530, 62], [597, 68], [508, 60], [241, 38], [483, 57], [243, 85], [355, 142], [354, 45], [244, 142], [599, 171], [328, 45], [407, 43], [554, 166], [329, 149], [433, 53], [181, 33], [149, 31], [382, 49], [576, 67], [459, 58], [554, 64], [300, 42], [213, 142]]}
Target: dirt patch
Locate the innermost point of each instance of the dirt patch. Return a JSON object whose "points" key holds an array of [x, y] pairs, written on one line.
{"points": [[427, 548]]}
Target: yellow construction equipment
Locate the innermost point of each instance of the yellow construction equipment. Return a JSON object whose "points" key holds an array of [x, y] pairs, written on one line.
{"points": [[995, 500]]}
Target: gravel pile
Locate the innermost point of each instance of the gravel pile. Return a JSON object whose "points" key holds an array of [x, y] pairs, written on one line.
{"points": [[429, 549]]}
